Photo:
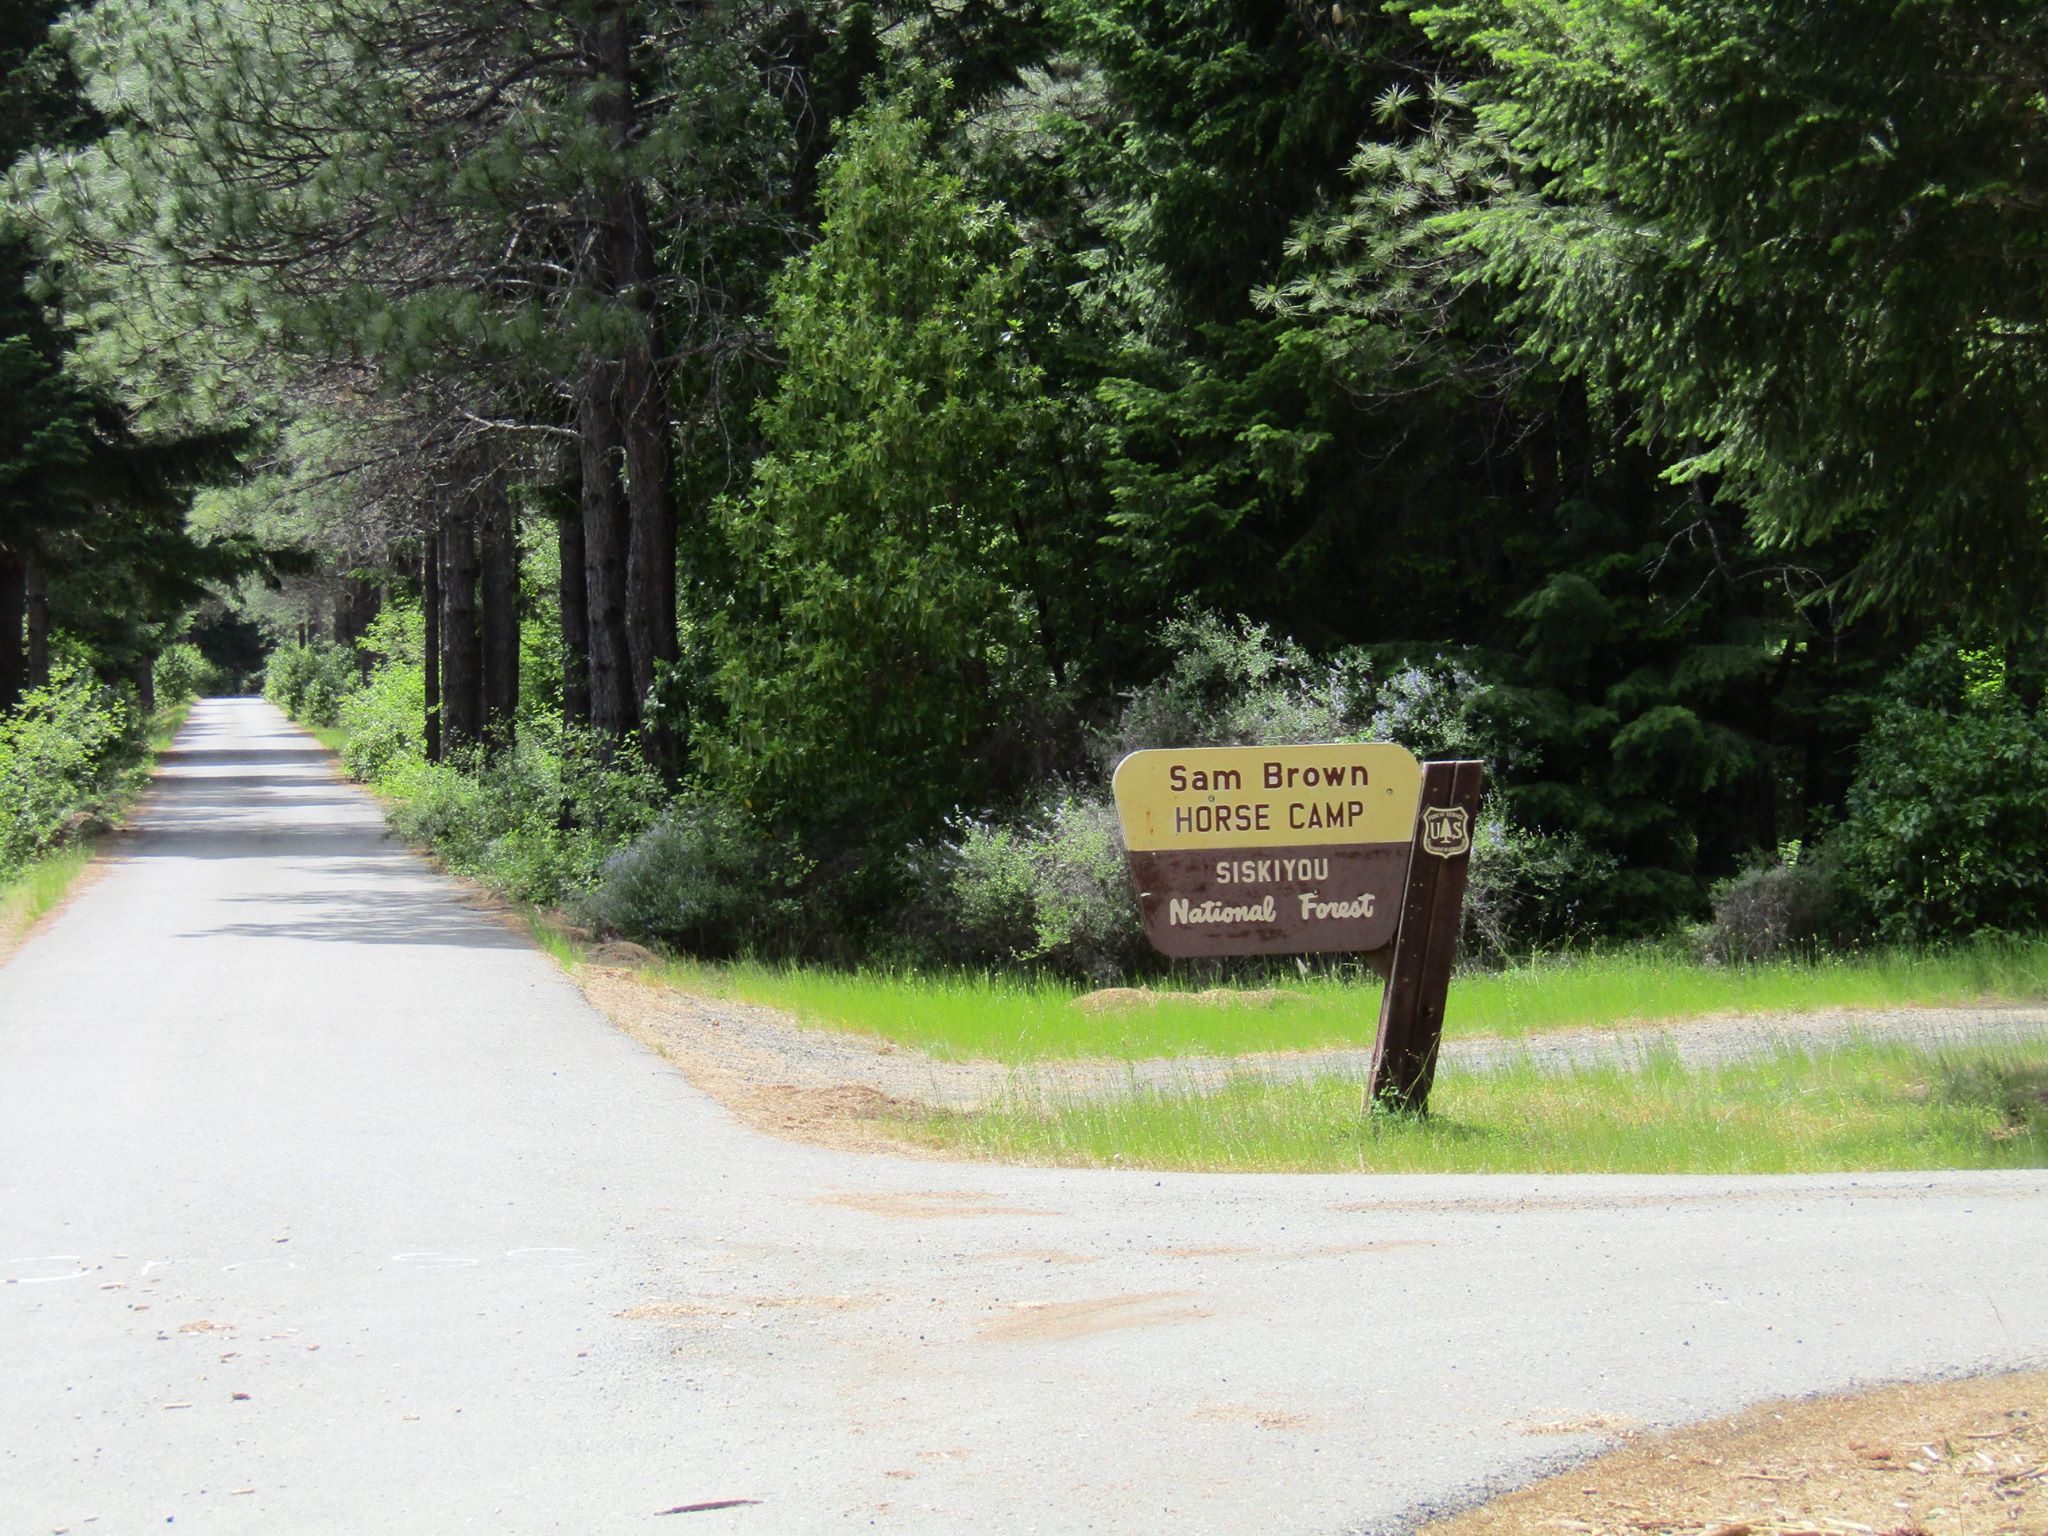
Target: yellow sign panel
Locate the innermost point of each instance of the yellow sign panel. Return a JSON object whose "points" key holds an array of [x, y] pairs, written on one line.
{"points": [[1268, 797]]}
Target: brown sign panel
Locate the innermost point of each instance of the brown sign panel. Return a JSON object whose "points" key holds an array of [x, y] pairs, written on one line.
{"points": [[1269, 850], [1203, 903]]}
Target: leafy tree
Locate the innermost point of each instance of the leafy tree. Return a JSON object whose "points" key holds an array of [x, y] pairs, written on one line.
{"points": [[505, 212], [1928, 863], [93, 540], [1808, 239], [890, 643]]}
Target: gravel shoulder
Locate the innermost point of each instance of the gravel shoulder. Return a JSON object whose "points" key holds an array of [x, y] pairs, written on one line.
{"points": [[1952, 1458], [792, 1079]]}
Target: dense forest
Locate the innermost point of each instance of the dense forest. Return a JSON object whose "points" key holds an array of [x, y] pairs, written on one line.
{"points": [[745, 472]]}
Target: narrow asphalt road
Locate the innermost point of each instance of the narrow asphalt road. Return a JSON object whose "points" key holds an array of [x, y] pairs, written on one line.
{"points": [[327, 1205]]}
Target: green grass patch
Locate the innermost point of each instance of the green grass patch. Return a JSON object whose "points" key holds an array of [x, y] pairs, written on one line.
{"points": [[1019, 1020], [165, 724], [1652, 985], [546, 932], [1858, 1108], [332, 737], [35, 891]]}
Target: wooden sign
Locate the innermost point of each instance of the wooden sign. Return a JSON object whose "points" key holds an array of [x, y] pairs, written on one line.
{"points": [[1306, 850], [1269, 850]]}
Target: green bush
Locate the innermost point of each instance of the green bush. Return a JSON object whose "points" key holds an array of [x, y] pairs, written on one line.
{"points": [[1051, 890], [1236, 683], [1794, 904], [1947, 826], [308, 682], [63, 751], [538, 821], [383, 720], [704, 879], [1524, 888], [182, 673]]}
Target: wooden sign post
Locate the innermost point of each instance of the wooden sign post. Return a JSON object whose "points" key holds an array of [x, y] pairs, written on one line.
{"points": [[1306, 850], [1419, 980]]}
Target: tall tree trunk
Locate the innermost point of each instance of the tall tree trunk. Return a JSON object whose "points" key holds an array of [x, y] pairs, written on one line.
{"points": [[35, 588], [462, 672], [430, 649], [644, 423], [575, 618], [13, 608], [355, 609], [145, 684], [651, 552], [627, 276], [606, 524], [497, 538]]}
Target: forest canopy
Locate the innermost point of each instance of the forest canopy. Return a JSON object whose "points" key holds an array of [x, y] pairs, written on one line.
{"points": [[747, 472]]}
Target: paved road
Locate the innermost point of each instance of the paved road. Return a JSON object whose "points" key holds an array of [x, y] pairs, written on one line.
{"points": [[327, 1205]]}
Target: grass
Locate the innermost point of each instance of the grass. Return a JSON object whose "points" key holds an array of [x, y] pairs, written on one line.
{"points": [[1018, 1020], [165, 724], [33, 891], [332, 737], [546, 931], [1857, 1108]]}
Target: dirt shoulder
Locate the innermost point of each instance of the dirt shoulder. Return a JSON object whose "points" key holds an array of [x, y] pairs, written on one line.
{"points": [[777, 1077], [1959, 1458]]}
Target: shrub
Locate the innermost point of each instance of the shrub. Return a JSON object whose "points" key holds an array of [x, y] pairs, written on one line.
{"points": [[62, 753], [1524, 888], [382, 721], [1052, 890], [1947, 826], [539, 821], [705, 879], [182, 673], [1236, 683], [308, 682], [1795, 903]]}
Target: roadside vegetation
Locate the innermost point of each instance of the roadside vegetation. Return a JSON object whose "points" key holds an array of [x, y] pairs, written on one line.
{"points": [[74, 752], [1018, 1020], [1859, 1108]]}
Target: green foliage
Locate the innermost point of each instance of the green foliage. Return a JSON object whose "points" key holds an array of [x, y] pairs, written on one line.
{"points": [[273, 235], [63, 753], [539, 821], [884, 649], [1527, 889], [1793, 904], [1166, 154], [704, 878], [309, 681], [1863, 175], [384, 720], [181, 673], [1236, 683], [1049, 890], [1457, 394], [1947, 826]]}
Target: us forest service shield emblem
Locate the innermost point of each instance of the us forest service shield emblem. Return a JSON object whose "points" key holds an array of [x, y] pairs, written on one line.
{"points": [[1446, 832]]}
